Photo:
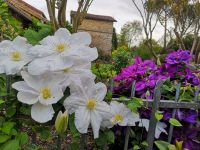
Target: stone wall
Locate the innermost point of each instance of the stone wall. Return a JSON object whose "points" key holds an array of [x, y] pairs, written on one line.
{"points": [[101, 32]]}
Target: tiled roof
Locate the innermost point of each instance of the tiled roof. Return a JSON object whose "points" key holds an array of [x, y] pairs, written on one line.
{"points": [[96, 17], [26, 10]]}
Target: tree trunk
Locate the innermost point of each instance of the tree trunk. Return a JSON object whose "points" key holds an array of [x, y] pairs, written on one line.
{"points": [[62, 13]]}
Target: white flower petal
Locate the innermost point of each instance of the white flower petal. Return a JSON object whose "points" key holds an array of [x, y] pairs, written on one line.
{"points": [[104, 110], [83, 38], [49, 41], [160, 127], [38, 67], [72, 103], [63, 33], [82, 119], [144, 123], [124, 122], [20, 41], [133, 118], [32, 81], [42, 113], [23, 87], [100, 91], [40, 51], [12, 67], [85, 53], [4, 45], [96, 120], [27, 98]]}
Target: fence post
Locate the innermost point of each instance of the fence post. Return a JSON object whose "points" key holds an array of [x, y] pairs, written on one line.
{"points": [[196, 94], [171, 128], [128, 129], [153, 120]]}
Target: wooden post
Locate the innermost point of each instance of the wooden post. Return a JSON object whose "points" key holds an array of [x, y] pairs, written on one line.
{"points": [[171, 128], [196, 94], [128, 129], [153, 120]]}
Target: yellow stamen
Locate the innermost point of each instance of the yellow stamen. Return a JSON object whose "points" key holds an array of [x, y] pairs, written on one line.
{"points": [[16, 56], [91, 104], [60, 48], [66, 70], [118, 118], [46, 93]]}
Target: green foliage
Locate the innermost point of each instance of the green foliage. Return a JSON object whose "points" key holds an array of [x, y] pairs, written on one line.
{"points": [[134, 104], [158, 115], [103, 71], [9, 26], [69, 26], [105, 137], [175, 122], [121, 58], [37, 32], [162, 145], [143, 51]]}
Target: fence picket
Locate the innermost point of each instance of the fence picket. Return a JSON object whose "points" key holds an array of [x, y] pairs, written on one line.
{"points": [[129, 128], [171, 128]]}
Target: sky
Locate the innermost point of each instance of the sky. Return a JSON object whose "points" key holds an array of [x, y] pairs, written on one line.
{"points": [[121, 10]]}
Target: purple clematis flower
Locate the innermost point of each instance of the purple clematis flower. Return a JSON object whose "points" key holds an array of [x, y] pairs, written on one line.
{"points": [[188, 136], [189, 116], [145, 83], [179, 57]]}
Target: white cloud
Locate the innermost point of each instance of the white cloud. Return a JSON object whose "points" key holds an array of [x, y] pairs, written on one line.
{"points": [[121, 10]]}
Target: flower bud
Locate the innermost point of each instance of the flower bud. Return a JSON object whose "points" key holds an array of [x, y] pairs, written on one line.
{"points": [[147, 94], [61, 122]]}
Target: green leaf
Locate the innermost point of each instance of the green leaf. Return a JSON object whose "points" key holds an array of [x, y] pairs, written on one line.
{"points": [[144, 143], [4, 138], [23, 138], [171, 147], [134, 104], [175, 122], [162, 145], [10, 111], [45, 134], [1, 101], [110, 136], [122, 98], [73, 146], [136, 147], [13, 132], [158, 115], [7, 127], [72, 127], [11, 145]]}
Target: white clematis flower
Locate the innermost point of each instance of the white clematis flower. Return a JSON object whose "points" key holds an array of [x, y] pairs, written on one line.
{"points": [[41, 92], [121, 115], [88, 105], [160, 127], [62, 44], [14, 56], [76, 73]]}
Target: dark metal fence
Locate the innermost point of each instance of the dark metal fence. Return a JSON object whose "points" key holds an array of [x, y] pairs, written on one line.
{"points": [[157, 103]]}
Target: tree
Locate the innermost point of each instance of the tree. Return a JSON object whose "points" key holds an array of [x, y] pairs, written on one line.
{"points": [[149, 21], [83, 6], [143, 49], [60, 7], [131, 32], [114, 40]]}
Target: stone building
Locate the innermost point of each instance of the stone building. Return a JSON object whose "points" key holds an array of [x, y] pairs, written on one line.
{"points": [[100, 28], [24, 12]]}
